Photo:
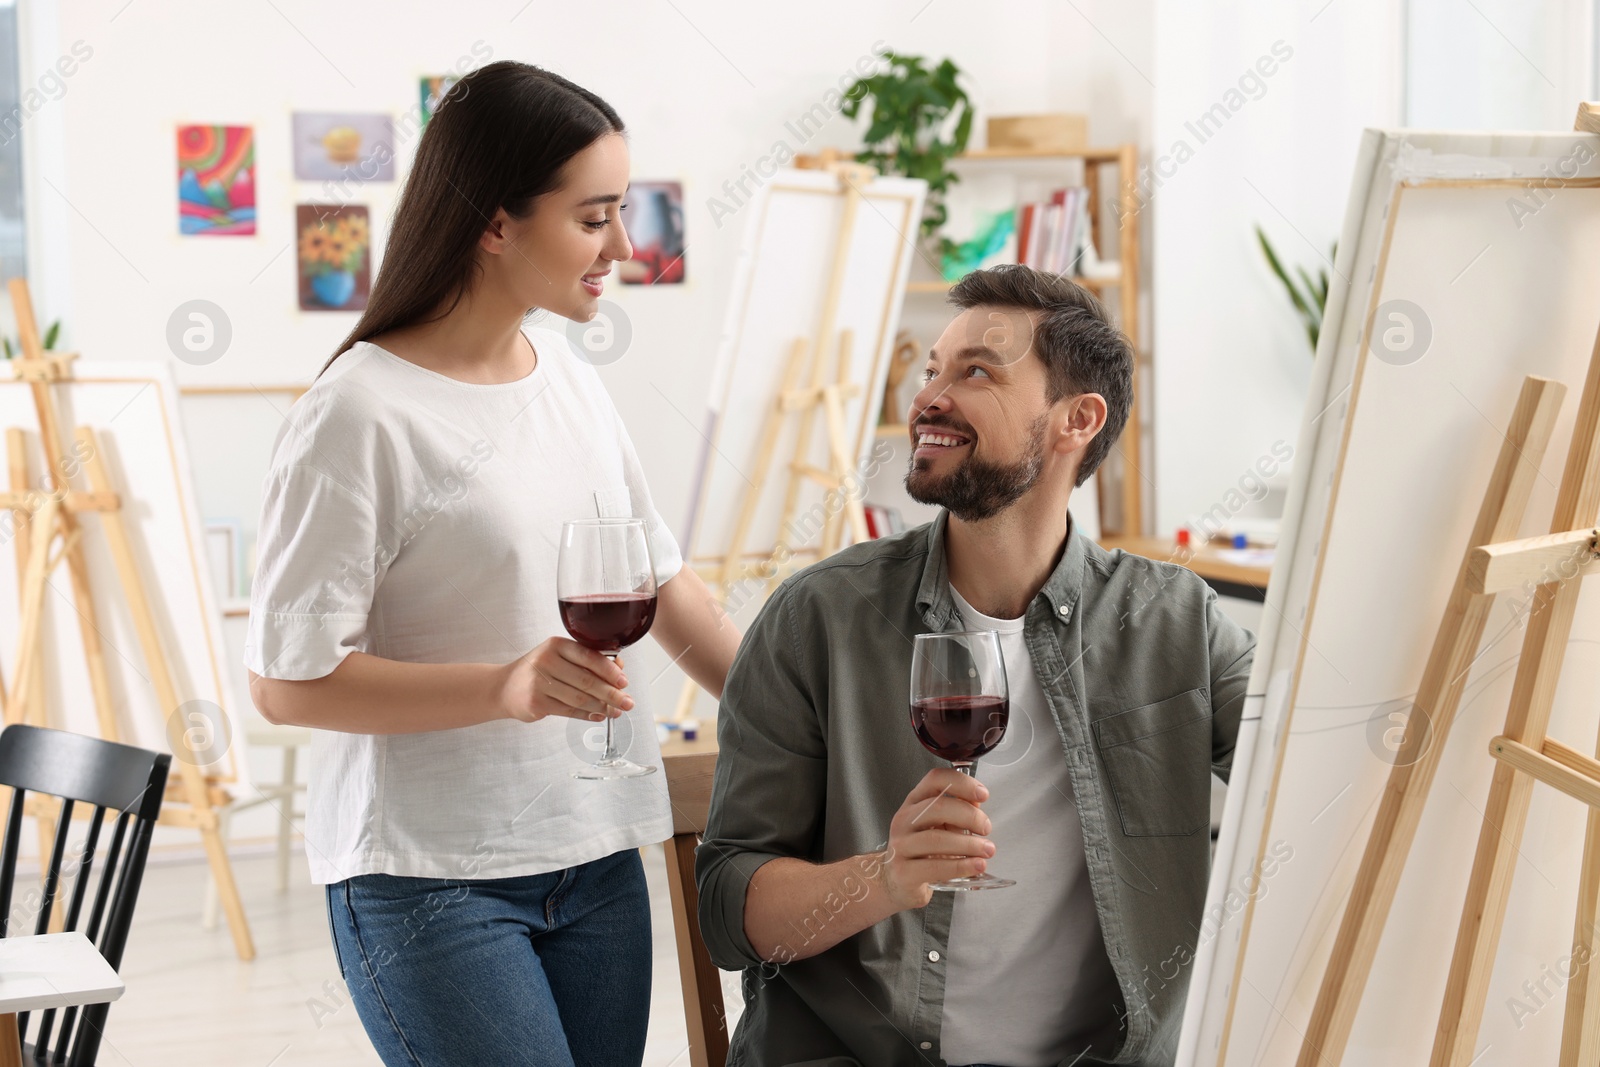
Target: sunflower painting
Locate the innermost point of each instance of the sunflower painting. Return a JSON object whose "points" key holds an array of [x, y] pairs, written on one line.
{"points": [[216, 180], [335, 269]]}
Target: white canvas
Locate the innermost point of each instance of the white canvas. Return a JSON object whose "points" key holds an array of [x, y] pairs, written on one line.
{"points": [[780, 283], [132, 407], [1393, 458]]}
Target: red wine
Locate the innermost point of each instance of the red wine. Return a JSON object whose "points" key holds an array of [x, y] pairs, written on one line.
{"points": [[608, 622], [960, 728]]}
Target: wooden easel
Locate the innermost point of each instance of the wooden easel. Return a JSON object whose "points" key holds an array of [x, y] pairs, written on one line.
{"points": [[50, 511], [1525, 754], [1491, 565], [806, 396]]}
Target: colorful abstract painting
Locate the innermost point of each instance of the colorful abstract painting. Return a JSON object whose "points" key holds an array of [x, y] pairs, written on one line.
{"points": [[334, 243], [652, 214], [216, 180], [343, 146]]}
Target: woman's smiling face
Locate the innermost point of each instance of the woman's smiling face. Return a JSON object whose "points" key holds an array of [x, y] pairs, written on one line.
{"points": [[558, 256]]}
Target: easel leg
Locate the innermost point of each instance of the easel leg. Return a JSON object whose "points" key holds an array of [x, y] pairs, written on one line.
{"points": [[193, 782], [208, 908], [1483, 917], [1544, 647], [1438, 698], [24, 705], [21, 532], [286, 817], [1506, 814], [228, 891], [686, 699], [733, 562], [1580, 1028], [93, 650]]}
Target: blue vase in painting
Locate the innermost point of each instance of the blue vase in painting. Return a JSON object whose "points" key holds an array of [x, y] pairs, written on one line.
{"points": [[335, 288]]}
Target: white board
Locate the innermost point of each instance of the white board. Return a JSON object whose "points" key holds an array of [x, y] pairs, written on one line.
{"points": [[1393, 459], [780, 283], [132, 407]]}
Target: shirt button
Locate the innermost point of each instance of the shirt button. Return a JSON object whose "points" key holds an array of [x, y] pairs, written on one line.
{"points": [[934, 956], [1065, 611], [927, 1044]]}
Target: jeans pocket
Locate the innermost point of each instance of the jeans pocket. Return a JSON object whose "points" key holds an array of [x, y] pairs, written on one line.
{"points": [[1158, 761]]}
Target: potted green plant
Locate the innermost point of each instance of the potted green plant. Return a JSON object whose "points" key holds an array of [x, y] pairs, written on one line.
{"points": [[1309, 296], [920, 118], [48, 342]]}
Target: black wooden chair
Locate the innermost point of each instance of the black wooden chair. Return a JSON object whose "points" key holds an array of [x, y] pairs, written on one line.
{"points": [[112, 778]]}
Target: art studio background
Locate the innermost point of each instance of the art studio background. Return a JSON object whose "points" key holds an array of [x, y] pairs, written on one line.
{"points": [[208, 187]]}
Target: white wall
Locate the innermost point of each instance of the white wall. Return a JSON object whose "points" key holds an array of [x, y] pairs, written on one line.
{"points": [[705, 87], [1502, 64], [1231, 361]]}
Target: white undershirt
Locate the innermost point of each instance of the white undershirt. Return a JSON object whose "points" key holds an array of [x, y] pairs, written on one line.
{"points": [[416, 517], [1027, 978]]}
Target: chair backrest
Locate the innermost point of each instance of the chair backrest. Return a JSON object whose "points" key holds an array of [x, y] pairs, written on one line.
{"points": [[109, 778], [689, 790]]}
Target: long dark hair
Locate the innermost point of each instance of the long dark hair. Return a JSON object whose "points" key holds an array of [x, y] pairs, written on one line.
{"points": [[498, 139]]}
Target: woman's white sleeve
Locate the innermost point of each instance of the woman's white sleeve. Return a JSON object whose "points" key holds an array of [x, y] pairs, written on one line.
{"points": [[318, 564]]}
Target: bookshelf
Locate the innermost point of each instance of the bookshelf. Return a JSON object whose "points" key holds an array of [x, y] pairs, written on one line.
{"points": [[1096, 162]]}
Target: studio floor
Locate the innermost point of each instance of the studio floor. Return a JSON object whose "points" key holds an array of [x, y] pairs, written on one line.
{"points": [[191, 1001]]}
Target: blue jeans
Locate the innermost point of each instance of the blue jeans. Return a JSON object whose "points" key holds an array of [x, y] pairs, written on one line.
{"points": [[548, 970]]}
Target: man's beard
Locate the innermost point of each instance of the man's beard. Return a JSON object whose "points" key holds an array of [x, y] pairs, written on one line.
{"points": [[977, 489]]}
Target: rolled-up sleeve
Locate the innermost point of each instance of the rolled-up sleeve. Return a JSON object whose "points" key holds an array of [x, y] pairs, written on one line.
{"points": [[319, 564], [768, 794], [1232, 650]]}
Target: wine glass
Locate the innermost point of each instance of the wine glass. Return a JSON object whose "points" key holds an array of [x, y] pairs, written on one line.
{"points": [[606, 586], [959, 709]]}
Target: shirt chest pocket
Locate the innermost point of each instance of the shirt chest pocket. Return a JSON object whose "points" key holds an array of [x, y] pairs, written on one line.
{"points": [[1158, 760], [613, 503]]}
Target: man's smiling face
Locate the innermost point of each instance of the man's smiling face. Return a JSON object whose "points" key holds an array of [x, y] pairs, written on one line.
{"points": [[979, 422]]}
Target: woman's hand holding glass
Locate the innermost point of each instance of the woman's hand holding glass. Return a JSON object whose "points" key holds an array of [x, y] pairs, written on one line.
{"points": [[561, 677]]}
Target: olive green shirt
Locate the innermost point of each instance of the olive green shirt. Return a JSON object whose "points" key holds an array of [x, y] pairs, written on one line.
{"points": [[1145, 678]]}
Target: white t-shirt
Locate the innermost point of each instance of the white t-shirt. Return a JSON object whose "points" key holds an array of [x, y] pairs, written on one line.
{"points": [[1027, 979], [415, 517]]}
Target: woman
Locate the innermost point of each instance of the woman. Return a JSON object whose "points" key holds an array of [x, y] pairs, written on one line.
{"points": [[486, 907]]}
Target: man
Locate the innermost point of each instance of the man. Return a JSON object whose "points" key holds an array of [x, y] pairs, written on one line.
{"points": [[829, 820]]}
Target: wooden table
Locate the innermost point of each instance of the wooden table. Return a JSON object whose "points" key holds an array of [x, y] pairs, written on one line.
{"points": [[1226, 577], [48, 971], [705, 742]]}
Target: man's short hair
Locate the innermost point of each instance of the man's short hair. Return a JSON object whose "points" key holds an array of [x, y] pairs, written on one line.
{"points": [[1082, 348]]}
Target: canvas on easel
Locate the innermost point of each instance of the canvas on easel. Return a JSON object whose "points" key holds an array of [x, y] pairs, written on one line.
{"points": [[109, 625], [1468, 263], [800, 376]]}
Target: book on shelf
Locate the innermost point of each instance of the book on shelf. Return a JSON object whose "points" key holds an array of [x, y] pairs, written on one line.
{"points": [[883, 521], [1054, 235], [1026, 214], [1047, 228], [1060, 234]]}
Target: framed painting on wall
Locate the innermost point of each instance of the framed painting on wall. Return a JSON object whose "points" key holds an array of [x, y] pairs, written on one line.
{"points": [[343, 146], [653, 217], [334, 242], [216, 181]]}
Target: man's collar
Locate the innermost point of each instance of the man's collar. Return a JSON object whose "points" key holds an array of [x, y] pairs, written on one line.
{"points": [[1060, 590]]}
